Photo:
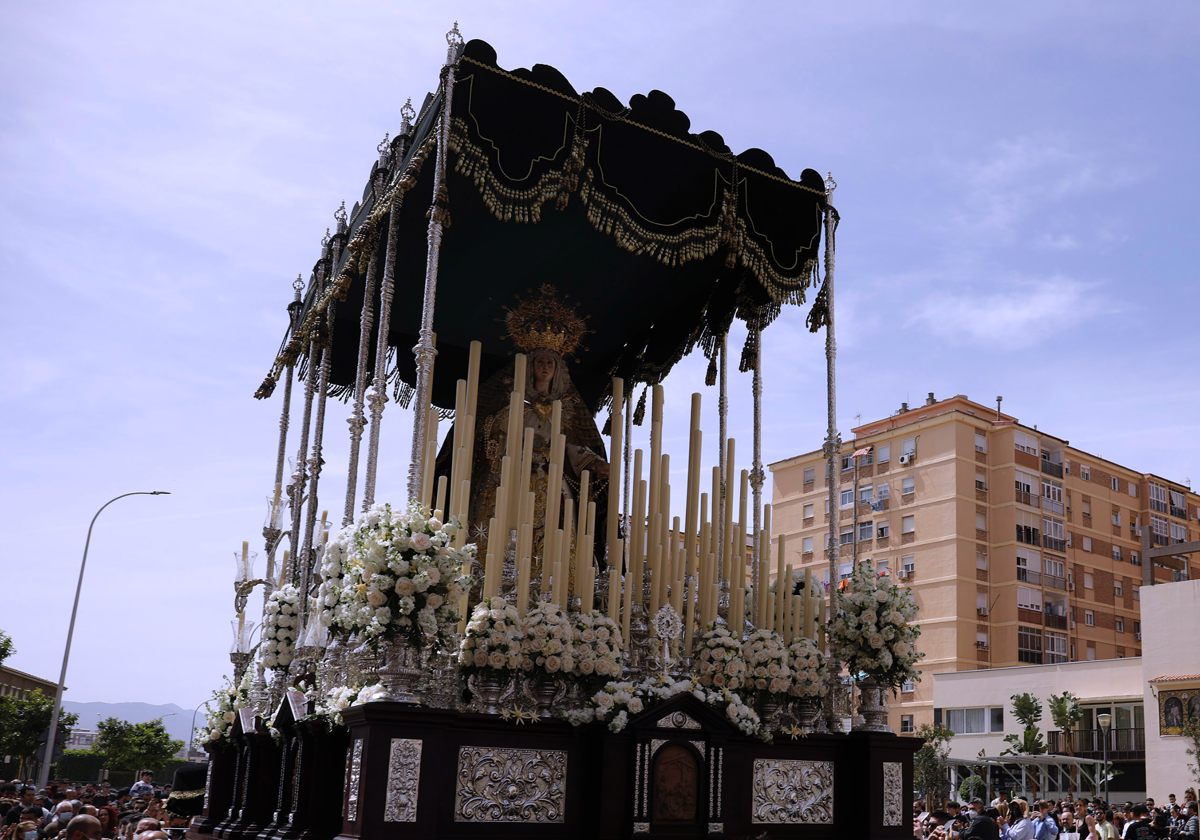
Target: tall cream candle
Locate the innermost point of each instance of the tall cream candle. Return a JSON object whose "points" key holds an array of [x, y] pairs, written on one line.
{"points": [[581, 523], [779, 588], [283, 567], [615, 469], [522, 593], [439, 506], [821, 626], [630, 586]]}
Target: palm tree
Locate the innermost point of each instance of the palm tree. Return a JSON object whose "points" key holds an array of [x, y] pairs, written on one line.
{"points": [[1066, 713], [1028, 710]]}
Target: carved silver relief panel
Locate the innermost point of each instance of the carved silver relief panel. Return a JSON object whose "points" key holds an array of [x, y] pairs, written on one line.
{"points": [[207, 786], [893, 793], [792, 791], [678, 720], [353, 775], [403, 780], [499, 784]]}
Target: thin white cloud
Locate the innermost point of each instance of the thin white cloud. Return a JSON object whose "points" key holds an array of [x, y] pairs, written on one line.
{"points": [[1018, 315]]}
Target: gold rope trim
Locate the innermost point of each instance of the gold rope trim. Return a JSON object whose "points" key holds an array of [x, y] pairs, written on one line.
{"points": [[624, 119], [187, 794]]}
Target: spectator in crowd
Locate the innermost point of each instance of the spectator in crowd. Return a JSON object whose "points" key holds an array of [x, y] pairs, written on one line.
{"points": [[1104, 825], [1191, 821], [1019, 826], [1139, 827], [982, 826], [144, 785], [83, 827]]}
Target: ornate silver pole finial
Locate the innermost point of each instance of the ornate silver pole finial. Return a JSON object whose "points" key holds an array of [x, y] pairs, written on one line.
{"points": [[454, 38], [407, 115], [830, 184], [325, 240], [384, 148], [340, 216], [298, 285]]}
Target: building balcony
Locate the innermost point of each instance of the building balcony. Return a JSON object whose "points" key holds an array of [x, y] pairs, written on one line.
{"points": [[1029, 616], [1026, 498], [1027, 535], [1056, 582], [1052, 506], [1123, 744], [1160, 539], [1058, 622], [1157, 506], [1050, 468], [1180, 513], [1029, 576], [1054, 544]]}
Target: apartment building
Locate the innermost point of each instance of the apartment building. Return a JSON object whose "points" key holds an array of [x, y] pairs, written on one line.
{"points": [[1019, 548]]}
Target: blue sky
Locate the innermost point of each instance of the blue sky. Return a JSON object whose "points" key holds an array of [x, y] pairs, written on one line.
{"points": [[1016, 188]]}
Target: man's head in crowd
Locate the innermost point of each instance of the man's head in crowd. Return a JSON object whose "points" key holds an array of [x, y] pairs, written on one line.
{"points": [[83, 827]]}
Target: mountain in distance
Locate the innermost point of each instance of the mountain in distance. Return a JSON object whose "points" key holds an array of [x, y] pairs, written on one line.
{"points": [[176, 720]]}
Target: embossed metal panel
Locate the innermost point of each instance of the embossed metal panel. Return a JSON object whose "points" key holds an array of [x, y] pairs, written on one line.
{"points": [[893, 793], [792, 791], [499, 784], [403, 780], [353, 777], [678, 720]]}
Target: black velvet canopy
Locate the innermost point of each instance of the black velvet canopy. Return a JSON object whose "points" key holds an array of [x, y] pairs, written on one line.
{"points": [[660, 237]]}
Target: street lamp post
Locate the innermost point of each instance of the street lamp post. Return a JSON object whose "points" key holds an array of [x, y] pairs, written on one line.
{"points": [[44, 772], [1105, 721]]}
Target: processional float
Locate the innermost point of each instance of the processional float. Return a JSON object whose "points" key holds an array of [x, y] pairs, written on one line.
{"points": [[533, 638]]}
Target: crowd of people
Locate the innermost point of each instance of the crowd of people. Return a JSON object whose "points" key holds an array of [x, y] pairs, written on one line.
{"points": [[66, 811], [1044, 819]]}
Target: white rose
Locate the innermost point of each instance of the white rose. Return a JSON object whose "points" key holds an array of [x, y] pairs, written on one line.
{"points": [[604, 700], [230, 717], [421, 542], [434, 600], [405, 587]]}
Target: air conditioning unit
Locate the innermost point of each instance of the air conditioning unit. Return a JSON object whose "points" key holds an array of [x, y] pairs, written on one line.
{"points": [[1137, 637], [983, 611], [904, 573], [1071, 586], [907, 458]]}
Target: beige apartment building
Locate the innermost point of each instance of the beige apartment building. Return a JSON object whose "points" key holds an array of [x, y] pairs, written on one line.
{"points": [[1018, 548]]}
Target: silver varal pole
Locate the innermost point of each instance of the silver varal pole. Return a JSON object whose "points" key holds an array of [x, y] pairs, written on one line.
{"points": [[424, 350], [833, 445], [757, 476]]}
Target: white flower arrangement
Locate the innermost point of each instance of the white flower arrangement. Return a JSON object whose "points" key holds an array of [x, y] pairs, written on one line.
{"points": [[392, 574], [492, 643], [767, 669], [809, 671], [221, 711], [720, 658], [617, 701], [597, 648], [546, 649], [874, 634], [281, 621]]}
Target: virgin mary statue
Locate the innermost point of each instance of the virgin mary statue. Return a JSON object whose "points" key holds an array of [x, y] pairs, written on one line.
{"points": [[547, 331]]}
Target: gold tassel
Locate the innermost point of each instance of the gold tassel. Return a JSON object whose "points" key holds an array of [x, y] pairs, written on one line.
{"points": [[710, 378], [639, 413]]}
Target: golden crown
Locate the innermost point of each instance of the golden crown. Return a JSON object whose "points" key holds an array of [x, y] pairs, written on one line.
{"points": [[545, 321]]}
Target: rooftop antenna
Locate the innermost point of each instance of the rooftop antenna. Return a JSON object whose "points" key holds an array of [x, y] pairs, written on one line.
{"points": [[998, 401]]}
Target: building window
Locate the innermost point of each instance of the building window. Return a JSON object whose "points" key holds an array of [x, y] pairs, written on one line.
{"points": [[981, 521], [1116, 518], [810, 475], [1120, 624], [864, 531], [980, 442], [1029, 599], [908, 485], [1087, 543], [967, 721], [909, 447], [908, 563], [845, 570], [885, 530], [883, 567], [847, 462], [808, 545], [846, 499], [1087, 507], [1118, 589], [1115, 483], [1178, 504], [1089, 582], [1029, 645], [1056, 647], [1158, 525], [1133, 489], [1089, 618], [808, 511], [908, 685], [1091, 651], [827, 507], [1057, 568], [883, 491], [1158, 497], [1135, 558], [884, 453], [1116, 552], [866, 495], [981, 560], [826, 540], [1137, 592], [846, 536], [1137, 627], [1026, 443], [1085, 472], [906, 724], [980, 481], [996, 713], [908, 525], [1178, 532]]}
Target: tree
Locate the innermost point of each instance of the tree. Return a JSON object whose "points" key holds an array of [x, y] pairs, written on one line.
{"points": [[24, 720], [6, 647], [134, 746], [1028, 711], [1191, 731], [931, 768], [971, 787], [1066, 714]]}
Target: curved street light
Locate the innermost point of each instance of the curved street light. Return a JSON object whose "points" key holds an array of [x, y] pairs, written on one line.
{"points": [[44, 771]]}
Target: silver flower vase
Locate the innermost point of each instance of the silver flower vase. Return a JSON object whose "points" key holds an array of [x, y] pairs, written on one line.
{"points": [[768, 710], [807, 710], [543, 692], [487, 687], [873, 706], [399, 673]]}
